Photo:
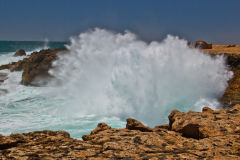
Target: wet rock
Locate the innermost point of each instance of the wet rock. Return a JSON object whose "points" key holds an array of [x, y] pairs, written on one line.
{"points": [[202, 45], [35, 67], [20, 52]]}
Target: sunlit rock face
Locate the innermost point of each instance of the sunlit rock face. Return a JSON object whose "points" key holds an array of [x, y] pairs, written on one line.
{"points": [[209, 134]]}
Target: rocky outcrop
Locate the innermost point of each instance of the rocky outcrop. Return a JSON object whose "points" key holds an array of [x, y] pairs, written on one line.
{"points": [[208, 123], [133, 124], [20, 52], [35, 66], [231, 95], [193, 135], [203, 45]]}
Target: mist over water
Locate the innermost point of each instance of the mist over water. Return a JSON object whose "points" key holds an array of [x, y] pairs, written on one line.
{"points": [[110, 74]]}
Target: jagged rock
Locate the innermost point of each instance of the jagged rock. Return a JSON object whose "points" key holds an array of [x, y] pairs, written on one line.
{"points": [[20, 52], [202, 45], [205, 124], [105, 142], [100, 127], [133, 124], [35, 66]]}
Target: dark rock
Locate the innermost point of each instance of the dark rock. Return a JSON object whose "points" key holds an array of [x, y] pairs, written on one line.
{"points": [[20, 52], [35, 67], [233, 45]]}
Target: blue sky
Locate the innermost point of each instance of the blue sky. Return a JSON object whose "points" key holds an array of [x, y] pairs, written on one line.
{"points": [[216, 21]]}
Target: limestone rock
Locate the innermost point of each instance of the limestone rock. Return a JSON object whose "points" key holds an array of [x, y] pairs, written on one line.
{"points": [[133, 124], [20, 52], [205, 124], [219, 130]]}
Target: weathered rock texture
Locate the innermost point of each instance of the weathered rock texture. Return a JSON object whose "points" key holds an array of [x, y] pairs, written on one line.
{"points": [[231, 96], [35, 66], [193, 135]]}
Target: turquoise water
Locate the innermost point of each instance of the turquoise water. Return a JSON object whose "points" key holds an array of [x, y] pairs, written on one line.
{"points": [[13, 46], [108, 77], [28, 108]]}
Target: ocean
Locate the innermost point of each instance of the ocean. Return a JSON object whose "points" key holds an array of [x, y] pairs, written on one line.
{"points": [[108, 77]]}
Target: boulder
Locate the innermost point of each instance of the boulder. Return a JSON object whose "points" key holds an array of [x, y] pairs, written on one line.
{"points": [[203, 45], [35, 67], [133, 124], [205, 124], [20, 52]]}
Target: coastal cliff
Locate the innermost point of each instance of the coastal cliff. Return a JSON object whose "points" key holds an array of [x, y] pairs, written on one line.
{"points": [[193, 135]]}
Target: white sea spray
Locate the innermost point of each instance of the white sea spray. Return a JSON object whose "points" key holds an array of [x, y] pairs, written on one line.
{"points": [[114, 74]]}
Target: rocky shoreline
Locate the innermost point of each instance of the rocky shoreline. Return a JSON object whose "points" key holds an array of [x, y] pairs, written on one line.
{"points": [[35, 67], [193, 135]]}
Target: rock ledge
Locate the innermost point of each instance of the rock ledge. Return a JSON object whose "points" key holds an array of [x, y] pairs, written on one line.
{"points": [[193, 135]]}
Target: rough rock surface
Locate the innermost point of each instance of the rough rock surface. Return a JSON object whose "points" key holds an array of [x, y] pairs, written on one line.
{"points": [[215, 135], [203, 45], [231, 96], [133, 124], [35, 66], [20, 52]]}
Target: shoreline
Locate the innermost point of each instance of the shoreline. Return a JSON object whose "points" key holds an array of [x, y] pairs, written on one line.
{"points": [[192, 135]]}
